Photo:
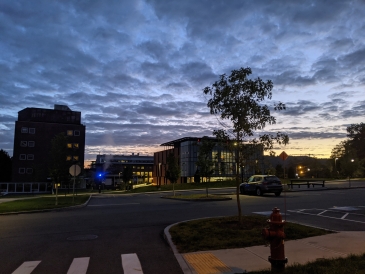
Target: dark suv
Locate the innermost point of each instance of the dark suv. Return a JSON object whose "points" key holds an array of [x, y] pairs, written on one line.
{"points": [[260, 184]]}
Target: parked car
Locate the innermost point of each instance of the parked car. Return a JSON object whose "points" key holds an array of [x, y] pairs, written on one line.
{"points": [[260, 184]]}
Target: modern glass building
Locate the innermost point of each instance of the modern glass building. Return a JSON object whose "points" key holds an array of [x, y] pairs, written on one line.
{"points": [[186, 150]]}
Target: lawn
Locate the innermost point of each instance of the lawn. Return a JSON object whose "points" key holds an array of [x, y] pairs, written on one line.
{"points": [[225, 232], [41, 203]]}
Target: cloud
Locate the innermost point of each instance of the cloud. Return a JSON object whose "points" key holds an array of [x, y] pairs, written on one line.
{"points": [[136, 69]]}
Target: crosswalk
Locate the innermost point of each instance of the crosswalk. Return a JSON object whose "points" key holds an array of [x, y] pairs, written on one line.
{"points": [[130, 265]]}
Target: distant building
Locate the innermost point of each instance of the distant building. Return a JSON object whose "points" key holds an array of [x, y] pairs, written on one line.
{"points": [[186, 150], [108, 169], [34, 131]]}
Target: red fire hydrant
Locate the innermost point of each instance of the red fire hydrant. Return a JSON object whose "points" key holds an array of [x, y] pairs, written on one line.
{"points": [[275, 235]]}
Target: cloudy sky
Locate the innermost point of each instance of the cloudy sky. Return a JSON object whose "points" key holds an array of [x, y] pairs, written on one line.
{"points": [[136, 69]]}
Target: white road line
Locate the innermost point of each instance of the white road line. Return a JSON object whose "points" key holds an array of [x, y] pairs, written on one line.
{"points": [[116, 204], [26, 267], [344, 216], [79, 266], [131, 264], [321, 212], [331, 217]]}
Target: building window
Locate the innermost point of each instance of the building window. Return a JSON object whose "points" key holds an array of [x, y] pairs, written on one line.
{"points": [[76, 145], [31, 144], [29, 170], [77, 132], [68, 158], [69, 145], [31, 130], [30, 156], [21, 170], [76, 158], [24, 130], [70, 132], [22, 157], [23, 143]]}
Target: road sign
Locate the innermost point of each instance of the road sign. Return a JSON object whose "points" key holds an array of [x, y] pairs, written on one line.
{"points": [[75, 170], [283, 156]]}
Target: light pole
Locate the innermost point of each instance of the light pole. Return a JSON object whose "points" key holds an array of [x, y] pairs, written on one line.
{"points": [[352, 160], [336, 165]]}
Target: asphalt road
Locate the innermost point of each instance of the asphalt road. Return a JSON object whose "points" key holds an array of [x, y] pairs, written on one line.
{"points": [[113, 225]]}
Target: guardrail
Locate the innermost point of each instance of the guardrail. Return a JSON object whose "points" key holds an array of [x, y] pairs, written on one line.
{"points": [[306, 182]]}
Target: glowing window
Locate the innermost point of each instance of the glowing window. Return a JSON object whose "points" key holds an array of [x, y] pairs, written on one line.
{"points": [[68, 158], [69, 145], [70, 132], [76, 158], [76, 145]]}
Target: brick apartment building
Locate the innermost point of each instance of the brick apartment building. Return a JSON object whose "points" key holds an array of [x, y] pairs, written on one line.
{"points": [[34, 131]]}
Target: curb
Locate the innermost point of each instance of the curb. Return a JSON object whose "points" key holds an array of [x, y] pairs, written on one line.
{"points": [[180, 258]]}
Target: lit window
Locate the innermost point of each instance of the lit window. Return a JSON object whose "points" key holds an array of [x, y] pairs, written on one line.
{"points": [[68, 158], [29, 170], [24, 130], [70, 132], [69, 145], [23, 143], [76, 158], [31, 144], [32, 130], [76, 145], [30, 156], [21, 170], [77, 132], [22, 157]]}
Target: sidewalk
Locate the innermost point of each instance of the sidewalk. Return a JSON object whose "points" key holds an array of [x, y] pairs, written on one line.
{"points": [[244, 260]]}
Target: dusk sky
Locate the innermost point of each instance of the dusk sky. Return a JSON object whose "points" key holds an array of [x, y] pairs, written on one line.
{"points": [[136, 69]]}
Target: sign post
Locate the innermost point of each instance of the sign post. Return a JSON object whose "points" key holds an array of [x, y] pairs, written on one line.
{"points": [[74, 171], [283, 157]]}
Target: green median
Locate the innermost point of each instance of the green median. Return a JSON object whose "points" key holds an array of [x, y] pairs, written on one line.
{"points": [[42, 203], [226, 232]]}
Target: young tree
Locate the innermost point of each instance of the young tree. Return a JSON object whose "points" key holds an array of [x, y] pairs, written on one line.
{"points": [[205, 161], [239, 99], [127, 175], [59, 169], [6, 165], [173, 170]]}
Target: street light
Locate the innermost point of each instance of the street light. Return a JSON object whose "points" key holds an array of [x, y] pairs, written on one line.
{"points": [[336, 165], [352, 160]]}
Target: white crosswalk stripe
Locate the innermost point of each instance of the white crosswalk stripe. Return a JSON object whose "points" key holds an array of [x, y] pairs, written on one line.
{"points": [[130, 265], [79, 266], [26, 267]]}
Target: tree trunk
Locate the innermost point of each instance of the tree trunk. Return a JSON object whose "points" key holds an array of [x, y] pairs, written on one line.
{"points": [[238, 181]]}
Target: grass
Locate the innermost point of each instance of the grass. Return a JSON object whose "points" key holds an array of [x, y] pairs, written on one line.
{"points": [[41, 203], [225, 232], [353, 264]]}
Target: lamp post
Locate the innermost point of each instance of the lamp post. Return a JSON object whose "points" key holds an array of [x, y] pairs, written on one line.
{"points": [[352, 160], [336, 165]]}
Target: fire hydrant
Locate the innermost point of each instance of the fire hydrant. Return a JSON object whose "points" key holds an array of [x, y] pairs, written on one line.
{"points": [[275, 235]]}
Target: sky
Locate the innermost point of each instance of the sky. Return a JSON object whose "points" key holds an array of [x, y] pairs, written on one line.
{"points": [[136, 69]]}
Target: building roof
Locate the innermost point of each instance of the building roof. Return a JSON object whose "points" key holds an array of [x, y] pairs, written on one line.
{"points": [[178, 141]]}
